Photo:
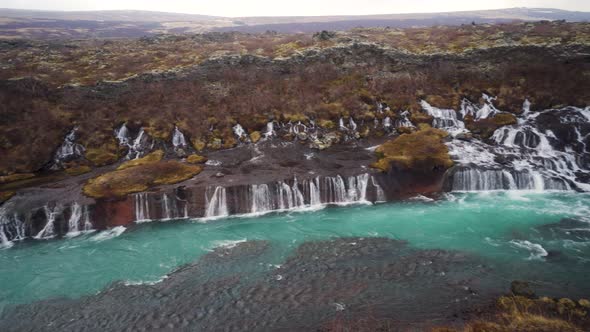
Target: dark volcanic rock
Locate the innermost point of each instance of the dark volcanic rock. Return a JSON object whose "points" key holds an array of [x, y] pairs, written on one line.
{"points": [[228, 290]]}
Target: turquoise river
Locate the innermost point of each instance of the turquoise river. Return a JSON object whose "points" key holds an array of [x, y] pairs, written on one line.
{"points": [[541, 237]]}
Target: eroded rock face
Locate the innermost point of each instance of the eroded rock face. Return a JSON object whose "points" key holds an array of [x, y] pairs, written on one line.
{"points": [[226, 290]]}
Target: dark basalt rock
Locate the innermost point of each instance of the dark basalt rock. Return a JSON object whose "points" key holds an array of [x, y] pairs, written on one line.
{"points": [[228, 290], [522, 288]]}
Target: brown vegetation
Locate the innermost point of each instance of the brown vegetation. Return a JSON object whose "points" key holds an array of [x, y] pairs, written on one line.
{"points": [[421, 151], [196, 159], [205, 98], [139, 178], [151, 158]]}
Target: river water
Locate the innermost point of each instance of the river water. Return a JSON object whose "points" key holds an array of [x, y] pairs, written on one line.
{"points": [[543, 238]]}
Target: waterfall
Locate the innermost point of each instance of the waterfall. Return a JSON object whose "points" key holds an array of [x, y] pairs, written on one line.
{"points": [[531, 155], [4, 242], [239, 131], [403, 121], [166, 207], [68, 150], [341, 124], [141, 144], [75, 217], [314, 192], [288, 195], [11, 229], [122, 135], [387, 123], [336, 189], [443, 118], [178, 139], [351, 124], [79, 220], [87, 223], [357, 188], [285, 196], [270, 131], [379, 193], [216, 203], [142, 207], [298, 199], [49, 230], [485, 111], [261, 198]]}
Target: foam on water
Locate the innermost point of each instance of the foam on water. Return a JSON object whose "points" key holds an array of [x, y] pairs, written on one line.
{"points": [[109, 234]]}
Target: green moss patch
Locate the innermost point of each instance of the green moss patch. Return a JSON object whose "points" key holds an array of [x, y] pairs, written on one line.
{"points": [[196, 159], [101, 157], [78, 170], [422, 151], [151, 158], [139, 178], [15, 177]]}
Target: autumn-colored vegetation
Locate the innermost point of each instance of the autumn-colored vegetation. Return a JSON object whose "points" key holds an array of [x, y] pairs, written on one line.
{"points": [[139, 178], [208, 83], [421, 151]]}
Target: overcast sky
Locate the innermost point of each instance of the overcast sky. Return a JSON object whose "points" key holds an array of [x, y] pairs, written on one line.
{"points": [[293, 7]]}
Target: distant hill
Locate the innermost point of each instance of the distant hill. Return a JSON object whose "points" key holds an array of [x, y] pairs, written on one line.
{"points": [[16, 23], [104, 15]]}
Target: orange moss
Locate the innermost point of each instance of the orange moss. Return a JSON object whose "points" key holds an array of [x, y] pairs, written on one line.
{"points": [[139, 178], [15, 177], [196, 159], [151, 158], [78, 170], [422, 151]]}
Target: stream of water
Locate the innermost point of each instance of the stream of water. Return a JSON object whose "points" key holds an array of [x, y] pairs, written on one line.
{"points": [[540, 237]]}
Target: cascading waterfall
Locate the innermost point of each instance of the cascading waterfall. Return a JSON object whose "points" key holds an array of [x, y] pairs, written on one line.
{"points": [[526, 156], [314, 192], [142, 207], [75, 217], [386, 123], [166, 207], [216, 203], [261, 198], [443, 118], [178, 139], [239, 131], [479, 112], [270, 131], [379, 193], [281, 196], [87, 223], [122, 135], [140, 145], [11, 229], [79, 221], [403, 121], [68, 150], [49, 230], [351, 124]]}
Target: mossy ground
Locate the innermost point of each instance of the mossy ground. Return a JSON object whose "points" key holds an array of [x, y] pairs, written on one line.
{"points": [[139, 178], [196, 159], [150, 158], [15, 177], [101, 157], [78, 170], [420, 151], [323, 91], [518, 313]]}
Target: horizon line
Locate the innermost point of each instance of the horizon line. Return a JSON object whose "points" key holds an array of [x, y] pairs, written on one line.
{"points": [[278, 16]]}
